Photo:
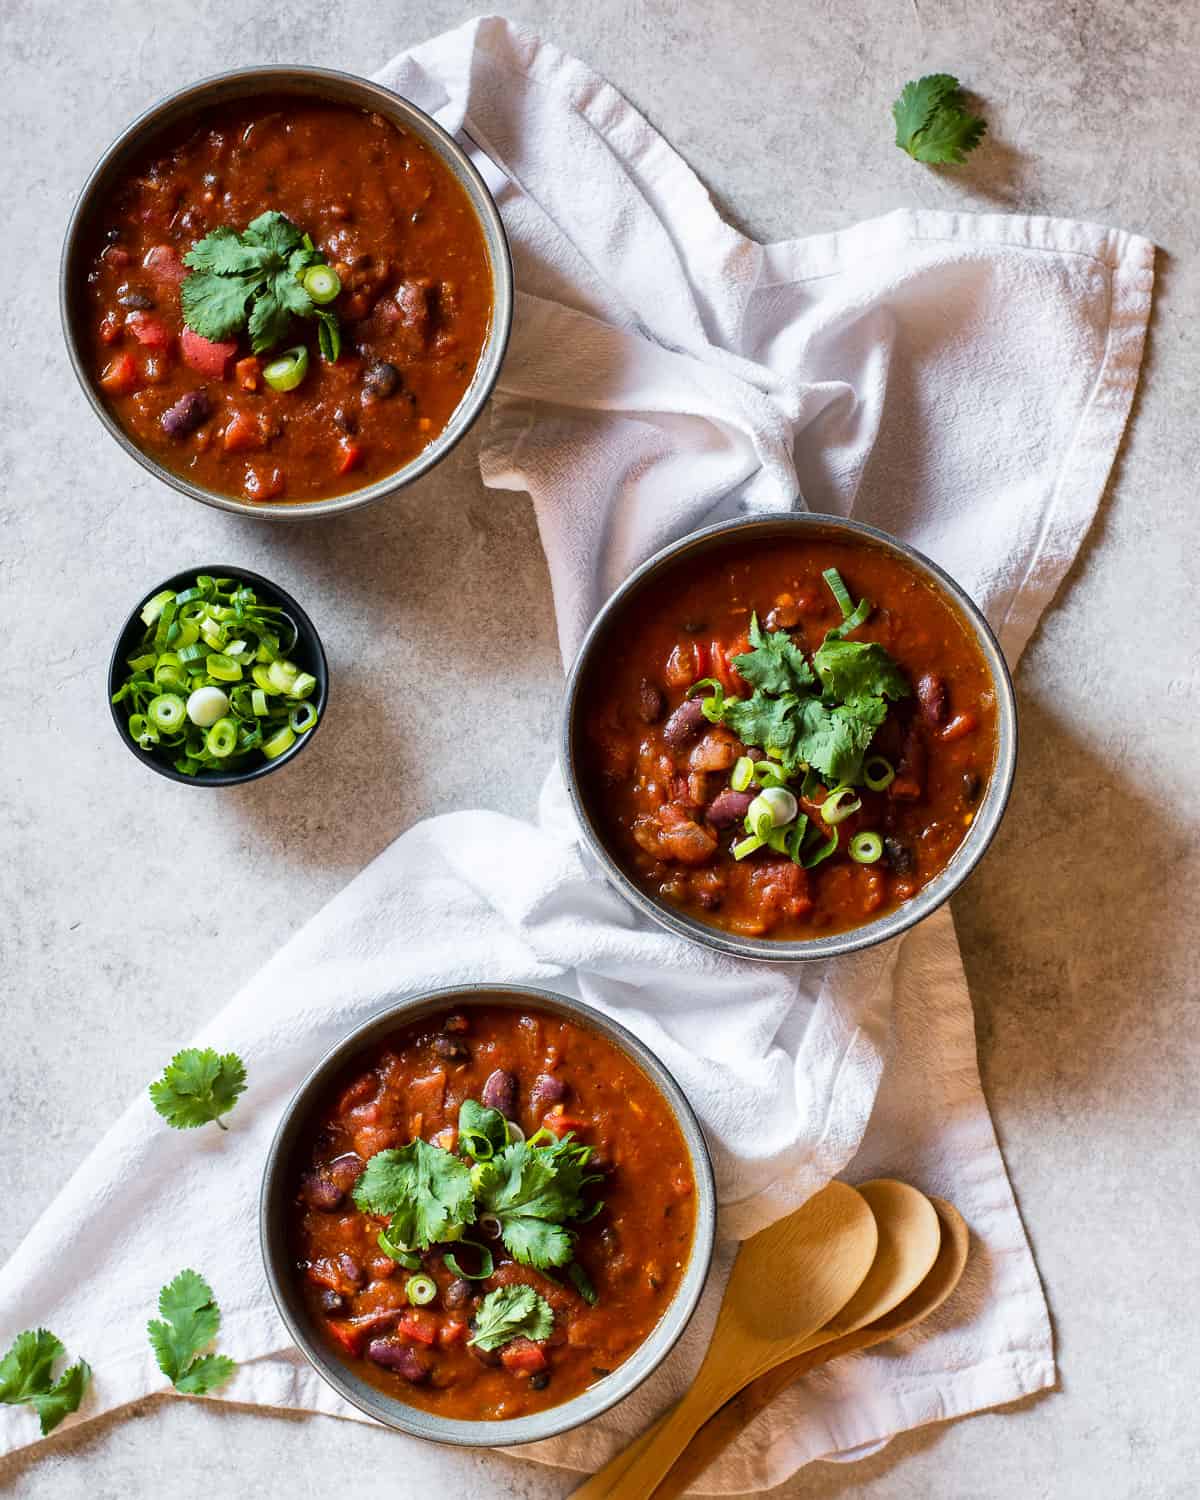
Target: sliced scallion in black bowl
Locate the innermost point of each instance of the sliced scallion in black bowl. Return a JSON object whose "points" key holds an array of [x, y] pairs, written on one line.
{"points": [[218, 677]]}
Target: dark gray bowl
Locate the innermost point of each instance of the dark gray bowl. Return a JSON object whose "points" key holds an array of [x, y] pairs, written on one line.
{"points": [[279, 1184], [793, 525], [344, 88], [309, 652]]}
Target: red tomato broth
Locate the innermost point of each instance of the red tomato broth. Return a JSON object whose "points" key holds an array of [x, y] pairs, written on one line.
{"points": [[416, 295], [689, 624], [635, 1251]]}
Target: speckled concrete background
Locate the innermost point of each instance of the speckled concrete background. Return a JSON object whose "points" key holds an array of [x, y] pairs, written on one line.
{"points": [[133, 906]]}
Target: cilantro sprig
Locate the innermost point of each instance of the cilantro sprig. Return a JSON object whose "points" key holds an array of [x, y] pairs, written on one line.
{"points": [[252, 281], [933, 123], [425, 1190], [820, 715], [198, 1086], [26, 1377], [512, 1312], [535, 1192], [188, 1321]]}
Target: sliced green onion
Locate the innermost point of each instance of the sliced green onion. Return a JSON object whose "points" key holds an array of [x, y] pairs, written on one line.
{"points": [[258, 702], [167, 712], [198, 651], [263, 678], [189, 633], [141, 663], [486, 1264], [747, 846], [776, 804], [321, 283], [278, 743], [282, 675], [221, 739], [742, 774], [286, 372], [878, 772], [857, 617], [839, 591], [866, 848], [154, 607], [795, 838], [213, 634], [139, 730], [223, 667], [714, 704], [302, 718], [206, 705], [835, 808], [769, 773], [302, 685], [822, 851], [402, 1257], [420, 1290]]}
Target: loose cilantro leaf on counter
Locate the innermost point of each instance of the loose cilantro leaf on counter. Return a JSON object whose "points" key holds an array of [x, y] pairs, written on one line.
{"points": [[932, 122], [25, 1378], [190, 1319], [251, 281], [198, 1086], [512, 1312], [426, 1192]]}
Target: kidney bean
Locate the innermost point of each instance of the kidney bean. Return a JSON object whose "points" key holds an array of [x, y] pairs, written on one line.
{"points": [[456, 1023], [186, 415], [547, 1090], [451, 1049], [540, 1380], [130, 297], [345, 1171], [931, 690], [651, 703], [403, 1359], [320, 1193], [456, 1293], [500, 1092], [330, 1301], [685, 724], [488, 1357], [729, 807], [972, 785], [351, 1269]]}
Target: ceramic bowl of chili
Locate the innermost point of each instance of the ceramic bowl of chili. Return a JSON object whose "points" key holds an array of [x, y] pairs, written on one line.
{"points": [[521, 1321], [305, 651], [887, 697], [286, 292]]}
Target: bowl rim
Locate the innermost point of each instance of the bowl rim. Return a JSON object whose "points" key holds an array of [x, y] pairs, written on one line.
{"points": [[932, 895], [305, 629], [367, 94], [609, 1389]]}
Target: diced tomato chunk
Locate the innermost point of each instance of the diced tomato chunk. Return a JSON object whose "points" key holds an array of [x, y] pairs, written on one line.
{"points": [[353, 1333], [243, 434], [560, 1124], [523, 1357], [420, 1325], [350, 455], [249, 372], [451, 1333], [149, 330], [264, 484], [208, 357], [120, 375], [164, 264]]}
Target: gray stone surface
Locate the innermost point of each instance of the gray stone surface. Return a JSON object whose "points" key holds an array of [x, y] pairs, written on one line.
{"points": [[1080, 930]]}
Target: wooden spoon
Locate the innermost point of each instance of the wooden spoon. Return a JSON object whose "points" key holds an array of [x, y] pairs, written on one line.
{"points": [[909, 1238], [736, 1415], [787, 1281]]}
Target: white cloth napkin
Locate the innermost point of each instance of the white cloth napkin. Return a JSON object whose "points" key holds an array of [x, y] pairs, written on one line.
{"points": [[962, 381]]}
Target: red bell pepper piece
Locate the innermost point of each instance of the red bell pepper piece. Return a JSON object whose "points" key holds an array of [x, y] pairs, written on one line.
{"points": [[523, 1357], [350, 455], [149, 330], [208, 357], [419, 1325], [120, 375], [243, 434]]}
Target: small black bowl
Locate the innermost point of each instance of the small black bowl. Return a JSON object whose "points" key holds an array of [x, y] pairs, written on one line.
{"points": [[308, 652]]}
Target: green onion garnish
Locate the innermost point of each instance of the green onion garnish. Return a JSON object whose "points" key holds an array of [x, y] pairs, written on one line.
{"points": [[714, 704], [486, 1262], [321, 283], [402, 1257], [866, 848], [747, 846], [742, 775], [769, 773], [822, 852], [835, 808], [209, 687], [839, 591], [286, 372], [420, 1290], [878, 772]]}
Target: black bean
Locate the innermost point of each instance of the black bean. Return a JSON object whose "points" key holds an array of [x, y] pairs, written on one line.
{"points": [[451, 1049], [112, 236], [186, 415], [540, 1381], [728, 807], [456, 1293], [685, 724], [130, 297], [488, 1357], [899, 856], [381, 380], [500, 1092], [650, 703], [319, 1193], [972, 785], [330, 1301], [456, 1023], [345, 419], [403, 1359], [547, 1090]]}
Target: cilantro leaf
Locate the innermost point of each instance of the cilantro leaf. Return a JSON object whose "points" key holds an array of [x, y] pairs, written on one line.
{"points": [[25, 1378], [190, 1319], [932, 122], [776, 664], [772, 723], [223, 253], [215, 306], [275, 235], [858, 669], [198, 1086], [512, 1312], [478, 1124], [533, 1191], [425, 1190]]}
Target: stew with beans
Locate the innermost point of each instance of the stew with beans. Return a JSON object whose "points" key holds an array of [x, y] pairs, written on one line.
{"points": [[410, 294], [886, 713], [493, 1211]]}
